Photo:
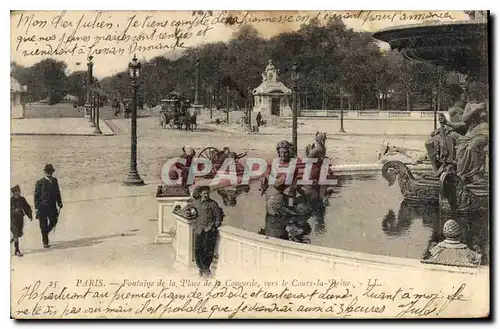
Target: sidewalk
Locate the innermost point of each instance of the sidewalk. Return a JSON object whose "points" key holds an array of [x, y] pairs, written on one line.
{"points": [[105, 228], [57, 127]]}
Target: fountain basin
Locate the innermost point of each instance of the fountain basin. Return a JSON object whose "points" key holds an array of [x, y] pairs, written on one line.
{"points": [[460, 46]]}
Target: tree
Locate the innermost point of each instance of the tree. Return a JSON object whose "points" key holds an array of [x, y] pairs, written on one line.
{"points": [[77, 82]]}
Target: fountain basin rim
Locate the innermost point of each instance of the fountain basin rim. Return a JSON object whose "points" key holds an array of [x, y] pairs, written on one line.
{"points": [[428, 24], [349, 169], [348, 256]]}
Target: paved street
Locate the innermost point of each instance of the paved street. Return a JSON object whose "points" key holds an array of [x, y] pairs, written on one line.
{"points": [[372, 128], [84, 161], [56, 126]]}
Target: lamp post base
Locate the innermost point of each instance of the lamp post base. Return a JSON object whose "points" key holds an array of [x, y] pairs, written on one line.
{"points": [[97, 131], [341, 130], [133, 179]]}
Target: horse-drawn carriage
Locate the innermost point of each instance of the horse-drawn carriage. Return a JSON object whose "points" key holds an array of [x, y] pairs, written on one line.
{"points": [[175, 112]]}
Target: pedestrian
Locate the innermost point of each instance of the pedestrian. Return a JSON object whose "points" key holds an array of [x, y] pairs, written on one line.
{"points": [[208, 219], [47, 201], [258, 119], [19, 208]]}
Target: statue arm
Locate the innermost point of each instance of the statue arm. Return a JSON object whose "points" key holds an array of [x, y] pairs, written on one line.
{"points": [[456, 125]]}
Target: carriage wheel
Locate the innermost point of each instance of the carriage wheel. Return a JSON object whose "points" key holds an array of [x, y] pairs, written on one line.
{"points": [[210, 153]]}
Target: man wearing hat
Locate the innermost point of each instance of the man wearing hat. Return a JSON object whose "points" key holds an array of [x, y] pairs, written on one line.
{"points": [[47, 201], [19, 208], [208, 219]]}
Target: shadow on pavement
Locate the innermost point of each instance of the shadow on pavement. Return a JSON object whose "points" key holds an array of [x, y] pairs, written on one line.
{"points": [[78, 243]]}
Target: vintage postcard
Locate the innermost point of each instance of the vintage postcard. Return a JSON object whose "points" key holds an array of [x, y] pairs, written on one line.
{"points": [[243, 165]]}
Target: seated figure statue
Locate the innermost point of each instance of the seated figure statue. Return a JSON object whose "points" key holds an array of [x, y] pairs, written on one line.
{"points": [[471, 155]]}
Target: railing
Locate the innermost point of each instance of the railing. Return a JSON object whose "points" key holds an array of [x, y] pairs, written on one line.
{"points": [[247, 252], [370, 115]]}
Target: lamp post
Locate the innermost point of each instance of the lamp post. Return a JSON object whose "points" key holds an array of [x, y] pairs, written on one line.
{"points": [[211, 99], [97, 101], [197, 65], [133, 177], [295, 79], [434, 108], [227, 105], [341, 130], [250, 108], [88, 103]]}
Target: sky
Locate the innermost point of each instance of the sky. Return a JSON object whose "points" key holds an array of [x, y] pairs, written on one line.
{"points": [[73, 35]]}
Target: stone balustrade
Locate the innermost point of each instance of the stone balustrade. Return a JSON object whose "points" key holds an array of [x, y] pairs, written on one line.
{"points": [[370, 115]]}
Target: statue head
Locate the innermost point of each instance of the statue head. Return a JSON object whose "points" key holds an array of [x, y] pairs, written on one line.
{"points": [[475, 113], [284, 150], [320, 138]]}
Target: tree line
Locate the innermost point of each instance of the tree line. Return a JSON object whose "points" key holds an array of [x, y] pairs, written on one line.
{"points": [[331, 58]]}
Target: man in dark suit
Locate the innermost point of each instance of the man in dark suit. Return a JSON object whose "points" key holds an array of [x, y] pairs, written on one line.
{"points": [[208, 219], [47, 201]]}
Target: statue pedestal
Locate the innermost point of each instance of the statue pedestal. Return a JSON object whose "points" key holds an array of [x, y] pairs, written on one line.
{"points": [[87, 109], [184, 244], [168, 199], [451, 251], [286, 112]]}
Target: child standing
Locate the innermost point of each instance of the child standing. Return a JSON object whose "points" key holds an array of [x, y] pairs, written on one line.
{"points": [[19, 208]]}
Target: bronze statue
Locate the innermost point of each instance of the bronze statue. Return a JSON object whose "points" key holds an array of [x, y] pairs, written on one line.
{"points": [[318, 148], [471, 155], [441, 145]]}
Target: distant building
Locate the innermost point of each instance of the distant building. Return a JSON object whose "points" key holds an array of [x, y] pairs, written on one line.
{"points": [[16, 100]]}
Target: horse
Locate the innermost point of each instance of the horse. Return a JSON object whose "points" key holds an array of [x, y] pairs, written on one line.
{"points": [[115, 105], [188, 121], [184, 121]]}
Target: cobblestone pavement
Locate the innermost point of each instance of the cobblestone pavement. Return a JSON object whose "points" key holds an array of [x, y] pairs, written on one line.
{"points": [[84, 161]]}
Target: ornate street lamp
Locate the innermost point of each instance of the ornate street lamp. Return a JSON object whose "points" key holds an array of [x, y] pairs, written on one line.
{"points": [[88, 103], [295, 79], [341, 130], [97, 100], [133, 177]]}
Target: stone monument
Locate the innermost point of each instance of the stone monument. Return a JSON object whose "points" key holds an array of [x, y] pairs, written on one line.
{"points": [[16, 92], [272, 96]]}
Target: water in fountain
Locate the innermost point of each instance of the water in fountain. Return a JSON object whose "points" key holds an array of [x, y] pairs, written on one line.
{"points": [[364, 215]]}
